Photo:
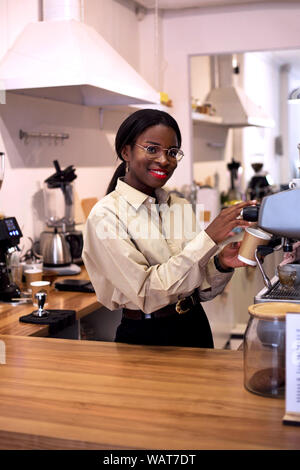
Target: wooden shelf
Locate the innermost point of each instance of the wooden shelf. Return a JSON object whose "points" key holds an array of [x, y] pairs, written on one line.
{"points": [[206, 118], [134, 107], [131, 108]]}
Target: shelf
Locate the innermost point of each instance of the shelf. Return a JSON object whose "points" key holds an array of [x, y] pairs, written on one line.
{"points": [[206, 118], [135, 107], [131, 108]]}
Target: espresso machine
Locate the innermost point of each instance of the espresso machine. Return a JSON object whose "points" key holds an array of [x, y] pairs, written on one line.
{"points": [[279, 215], [61, 244], [10, 234]]}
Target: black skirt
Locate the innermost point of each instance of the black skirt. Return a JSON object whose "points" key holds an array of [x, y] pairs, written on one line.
{"points": [[191, 329]]}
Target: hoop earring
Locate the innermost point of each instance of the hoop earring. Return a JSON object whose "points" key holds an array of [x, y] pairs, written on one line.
{"points": [[127, 167]]}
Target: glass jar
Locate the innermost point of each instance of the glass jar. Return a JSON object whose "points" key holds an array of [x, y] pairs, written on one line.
{"points": [[264, 348], [58, 204]]}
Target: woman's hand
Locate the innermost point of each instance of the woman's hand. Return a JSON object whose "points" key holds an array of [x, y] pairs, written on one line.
{"points": [[223, 224], [228, 257]]}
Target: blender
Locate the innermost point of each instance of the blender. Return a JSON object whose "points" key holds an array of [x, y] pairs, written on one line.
{"points": [[60, 245]]}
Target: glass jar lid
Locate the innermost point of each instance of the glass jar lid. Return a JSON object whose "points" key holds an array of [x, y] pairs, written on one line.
{"points": [[273, 310]]}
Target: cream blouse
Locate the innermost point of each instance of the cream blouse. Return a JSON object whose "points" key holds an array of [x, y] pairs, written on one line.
{"points": [[145, 254]]}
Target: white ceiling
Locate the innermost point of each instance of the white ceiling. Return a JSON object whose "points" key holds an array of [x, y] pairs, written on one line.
{"points": [[177, 4]]}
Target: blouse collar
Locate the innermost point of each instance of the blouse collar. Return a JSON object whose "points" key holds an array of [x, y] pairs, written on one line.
{"points": [[137, 198]]}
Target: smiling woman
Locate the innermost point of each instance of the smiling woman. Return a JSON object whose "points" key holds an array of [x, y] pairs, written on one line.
{"points": [[147, 130], [143, 248], [149, 169]]}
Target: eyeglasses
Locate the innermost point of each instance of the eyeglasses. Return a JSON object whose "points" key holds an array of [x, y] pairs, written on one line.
{"points": [[156, 151]]}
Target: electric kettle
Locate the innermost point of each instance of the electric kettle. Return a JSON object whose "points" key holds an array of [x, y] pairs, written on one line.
{"points": [[55, 249]]}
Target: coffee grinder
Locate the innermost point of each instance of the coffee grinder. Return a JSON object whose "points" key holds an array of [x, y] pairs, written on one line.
{"points": [[233, 195], [260, 184], [10, 234], [60, 245]]}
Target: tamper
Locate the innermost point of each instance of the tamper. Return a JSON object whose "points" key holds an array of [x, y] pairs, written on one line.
{"points": [[41, 299]]}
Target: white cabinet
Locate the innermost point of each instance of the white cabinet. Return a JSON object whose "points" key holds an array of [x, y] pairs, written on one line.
{"points": [[220, 314]]}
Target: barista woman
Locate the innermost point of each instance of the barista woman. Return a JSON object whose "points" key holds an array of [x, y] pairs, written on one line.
{"points": [[143, 249]]}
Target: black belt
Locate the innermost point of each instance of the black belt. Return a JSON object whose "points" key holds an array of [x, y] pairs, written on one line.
{"points": [[181, 307]]}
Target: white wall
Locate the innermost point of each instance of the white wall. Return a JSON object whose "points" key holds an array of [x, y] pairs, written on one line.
{"points": [[294, 127], [90, 147], [13, 18], [262, 85], [200, 77], [118, 24], [151, 49]]}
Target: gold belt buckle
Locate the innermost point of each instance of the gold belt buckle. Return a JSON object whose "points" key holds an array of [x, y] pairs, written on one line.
{"points": [[178, 307]]}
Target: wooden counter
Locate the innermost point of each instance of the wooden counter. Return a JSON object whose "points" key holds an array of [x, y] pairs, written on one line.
{"points": [[63, 394], [66, 394], [82, 303]]}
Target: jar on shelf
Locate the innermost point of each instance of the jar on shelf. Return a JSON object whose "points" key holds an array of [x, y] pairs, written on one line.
{"points": [[264, 348]]}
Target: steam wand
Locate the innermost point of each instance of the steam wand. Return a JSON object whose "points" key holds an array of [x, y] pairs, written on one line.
{"points": [[259, 259], [260, 253]]}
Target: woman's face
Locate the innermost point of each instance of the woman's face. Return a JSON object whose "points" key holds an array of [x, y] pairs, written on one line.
{"points": [[147, 174]]}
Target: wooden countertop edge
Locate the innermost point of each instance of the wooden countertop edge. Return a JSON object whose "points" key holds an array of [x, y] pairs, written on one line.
{"points": [[10, 440], [125, 346], [89, 309]]}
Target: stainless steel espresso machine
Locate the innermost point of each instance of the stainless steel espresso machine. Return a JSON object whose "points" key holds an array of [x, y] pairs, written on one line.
{"points": [[10, 234], [279, 215]]}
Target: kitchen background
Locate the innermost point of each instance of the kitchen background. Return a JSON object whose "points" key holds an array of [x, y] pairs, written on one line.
{"points": [[161, 43]]}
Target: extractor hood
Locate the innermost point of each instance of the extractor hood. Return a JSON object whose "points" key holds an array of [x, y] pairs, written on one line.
{"points": [[230, 102], [236, 109], [63, 59]]}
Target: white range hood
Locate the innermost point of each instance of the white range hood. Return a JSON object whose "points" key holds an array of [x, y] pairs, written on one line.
{"points": [[63, 59], [236, 109], [230, 101]]}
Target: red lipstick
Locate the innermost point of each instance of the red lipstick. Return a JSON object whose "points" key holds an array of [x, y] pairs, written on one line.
{"points": [[160, 174]]}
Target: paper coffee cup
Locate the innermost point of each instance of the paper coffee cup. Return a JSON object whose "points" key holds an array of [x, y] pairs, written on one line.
{"points": [[39, 286], [253, 237], [32, 275]]}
